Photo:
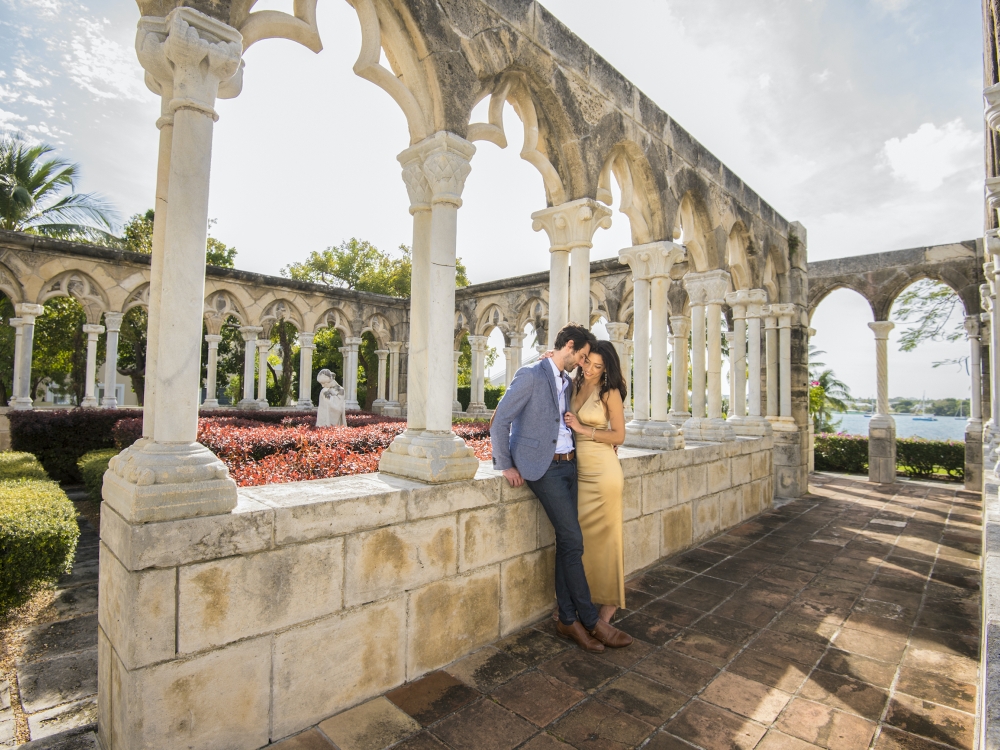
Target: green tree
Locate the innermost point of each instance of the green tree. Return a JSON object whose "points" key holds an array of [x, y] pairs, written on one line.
{"points": [[928, 308], [59, 355], [132, 350], [137, 236], [6, 351], [827, 394], [284, 335], [33, 195]]}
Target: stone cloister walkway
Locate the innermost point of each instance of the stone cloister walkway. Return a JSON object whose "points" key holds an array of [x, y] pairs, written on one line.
{"points": [[846, 619]]}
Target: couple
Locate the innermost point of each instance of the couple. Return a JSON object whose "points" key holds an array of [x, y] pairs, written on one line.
{"points": [[532, 435]]}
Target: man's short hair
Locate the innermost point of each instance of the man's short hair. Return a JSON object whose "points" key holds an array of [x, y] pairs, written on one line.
{"points": [[578, 335]]}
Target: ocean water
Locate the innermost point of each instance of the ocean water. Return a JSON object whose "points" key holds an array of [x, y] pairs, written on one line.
{"points": [[946, 428]]}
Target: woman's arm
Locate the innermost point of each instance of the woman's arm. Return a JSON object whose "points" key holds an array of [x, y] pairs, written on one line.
{"points": [[615, 434]]}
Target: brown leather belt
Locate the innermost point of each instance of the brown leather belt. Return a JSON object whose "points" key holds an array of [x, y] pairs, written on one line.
{"points": [[564, 456]]}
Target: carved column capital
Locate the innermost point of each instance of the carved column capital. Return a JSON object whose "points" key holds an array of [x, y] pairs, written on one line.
{"points": [[680, 326], [27, 312], [478, 343], [306, 340], [435, 170], [991, 95], [617, 331], [756, 299], [738, 302], [652, 260], [93, 331], [572, 224], [395, 346], [113, 321], [707, 288], [213, 339], [249, 333], [16, 324], [971, 324], [782, 312], [882, 328]]}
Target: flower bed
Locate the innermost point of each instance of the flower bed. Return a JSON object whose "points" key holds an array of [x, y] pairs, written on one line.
{"points": [[295, 449]]}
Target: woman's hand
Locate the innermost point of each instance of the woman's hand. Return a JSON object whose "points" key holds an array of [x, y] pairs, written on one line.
{"points": [[547, 354], [573, 423]]}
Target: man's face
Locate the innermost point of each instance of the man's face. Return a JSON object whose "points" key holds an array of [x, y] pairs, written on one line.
{"points": [[575, 357]]}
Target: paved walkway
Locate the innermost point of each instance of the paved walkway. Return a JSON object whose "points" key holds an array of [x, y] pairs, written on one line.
{"points": [[846, 619]]}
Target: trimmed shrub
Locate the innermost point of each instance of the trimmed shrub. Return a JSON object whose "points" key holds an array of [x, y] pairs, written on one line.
{"points": [[92, 467], [15, 465], [491, 395], [38, 535], [841, 452], [918, 457]]}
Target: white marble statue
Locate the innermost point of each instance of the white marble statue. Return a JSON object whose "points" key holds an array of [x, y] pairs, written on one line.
{"points": [[332, 407]]}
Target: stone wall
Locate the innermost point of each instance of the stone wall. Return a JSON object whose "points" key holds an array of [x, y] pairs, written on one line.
{"points": [[310, 597]]}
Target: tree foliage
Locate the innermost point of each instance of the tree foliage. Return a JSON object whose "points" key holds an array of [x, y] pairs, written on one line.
{"points": [[928, 307], [59, 356], [137, 237], [33, 195], [132, 350], [827, 394]]}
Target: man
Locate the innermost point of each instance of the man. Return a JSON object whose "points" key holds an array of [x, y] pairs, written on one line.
{"points": [[531, 443]]}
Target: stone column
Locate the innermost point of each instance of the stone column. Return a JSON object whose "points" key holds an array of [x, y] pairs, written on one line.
{"points": [[249, 334], [263, 349], [628, 345], [436, 454], [306, 349], [17, 324], [456, 406], [738, 302], [212, 368], [392, 408], [706, 292], [113, 322], [193, 59], [754, 424], [680, 327], [771, 353], [92, 331], [651, 264], [570, 228], [477, 390], [991, 430], [784, 420], [617, 333], [882, 427], [378, 406], [516, 353], [974, 425], [27, 313], [728, 336], [350, 355]]}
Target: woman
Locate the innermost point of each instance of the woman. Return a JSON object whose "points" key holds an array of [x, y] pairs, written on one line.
{"points": [[597, 416]]}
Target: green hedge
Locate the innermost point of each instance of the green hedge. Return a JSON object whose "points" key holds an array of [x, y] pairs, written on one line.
{"points": [[92, 467], [38, 530], [491, 394], [915, 457]]}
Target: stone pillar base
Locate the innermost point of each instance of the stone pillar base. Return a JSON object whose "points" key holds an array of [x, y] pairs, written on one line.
{"points": [[432, 457], [248, 403], [89, 403], [704, 430], [378, 405], [661, 436], [782, 424], [753, 427], [22, 404], [477, 409], [974, 455], [791, 466], [210, 403], [109, 402], [307, 404], [882, 449], [678, 418], [392, 409], [153, 482], [352, 405]]}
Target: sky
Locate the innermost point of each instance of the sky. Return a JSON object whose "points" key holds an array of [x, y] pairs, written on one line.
{"points": [[860, 118]]}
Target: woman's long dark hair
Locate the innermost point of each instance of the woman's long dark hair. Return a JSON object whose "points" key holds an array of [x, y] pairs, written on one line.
{"points": [[612, 378]]}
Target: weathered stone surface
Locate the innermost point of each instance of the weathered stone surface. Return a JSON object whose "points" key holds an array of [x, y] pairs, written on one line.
{"points": [[692, 482], [247, 529], [72, 602], [371, 726], [451, 618], [741, 469], [398, 558], [527, 588], [62, 718], [238, 597], [719, 477], [496, 533], [331, 507], [642, 542], [58, 638], [760, 465], [730, 507], [322, 667], [62, 679], [632, 498], [677, 530], [80, 738], [137, 611], [429, 501], [215, 699], [705, 514], [659, 491]]}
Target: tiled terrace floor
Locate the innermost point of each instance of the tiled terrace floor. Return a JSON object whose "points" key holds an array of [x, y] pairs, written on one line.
{"points": [[846, 619]]}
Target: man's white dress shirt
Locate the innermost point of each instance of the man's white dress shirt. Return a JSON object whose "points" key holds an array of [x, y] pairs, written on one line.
{"points": [[564, 443]]}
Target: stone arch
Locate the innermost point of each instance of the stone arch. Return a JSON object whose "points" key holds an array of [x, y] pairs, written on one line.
{"points": [[492, 317], [82, 287], [968, 294], [334, 317], [740, 271], [220, 305], [640, 201], [535, 310], [281, 309], [379, 327], [10, 286], [139, 297], [689, 230], [599, 303], [769, 281], [819, 291]]}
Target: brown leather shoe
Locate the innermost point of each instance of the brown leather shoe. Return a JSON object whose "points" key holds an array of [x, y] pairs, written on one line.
{"points": [[576, 632], [610, 636]]}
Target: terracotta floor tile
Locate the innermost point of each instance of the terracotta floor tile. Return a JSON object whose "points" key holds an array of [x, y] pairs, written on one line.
{"points": [[642, 698], [597, 725], [936, 620], [896, 739], [787, 574], [580, 670], [538, 697], [812, 629], [945, 642], [873, 646], [486, 668], [886, 610], [705, 647], [696, 560], [628, 656], [483, 726], [637, 599], [708, 583], [748, 698], [845, 693], [545, 741], [902, 598], [859, 667], [371, 726], [756, 615], [769, 670], [678, 671], [931, 721], [423, 741], [738, 571], [775, 740], [960, 668], [765, 594], [532, 646], [665, 741], [825, 726], [788, 647], [724, 628], [311, 739], [937, 688], [712, 728], [672, 613], [690, 597], [648, 629], [653, 585], [432, 696]]}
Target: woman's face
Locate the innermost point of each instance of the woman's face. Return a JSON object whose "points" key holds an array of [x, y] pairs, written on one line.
{"points": [[593, 367]]}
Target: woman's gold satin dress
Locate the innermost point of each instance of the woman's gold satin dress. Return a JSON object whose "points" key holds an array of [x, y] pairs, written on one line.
{"points": [[599, 501]]}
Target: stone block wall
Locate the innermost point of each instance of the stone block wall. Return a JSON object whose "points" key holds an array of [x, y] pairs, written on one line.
{"points": [[235, 630]]}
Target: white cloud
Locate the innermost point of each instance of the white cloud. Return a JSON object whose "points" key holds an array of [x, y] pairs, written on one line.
{"points": [[764, 80], [45, 7], [892, 6], [102, 66], [26, 80], [8, 117], [928, 156]]}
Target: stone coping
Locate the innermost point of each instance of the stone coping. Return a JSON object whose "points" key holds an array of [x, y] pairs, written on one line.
{"points": [[989, 667]]}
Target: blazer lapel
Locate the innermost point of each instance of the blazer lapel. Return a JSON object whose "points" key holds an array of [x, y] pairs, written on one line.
{"points": [[547, 369]]}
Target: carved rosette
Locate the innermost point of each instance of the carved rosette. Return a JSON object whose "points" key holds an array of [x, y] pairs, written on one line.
{"points": [[653, 260], [572, 224]]}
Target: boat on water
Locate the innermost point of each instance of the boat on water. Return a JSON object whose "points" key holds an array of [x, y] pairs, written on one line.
{"points": [[922, 415]]}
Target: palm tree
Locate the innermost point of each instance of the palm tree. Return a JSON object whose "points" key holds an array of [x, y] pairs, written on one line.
{"points": [[834, 396], [32, 199]]}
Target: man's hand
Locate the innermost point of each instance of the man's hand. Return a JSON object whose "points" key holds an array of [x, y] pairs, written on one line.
{"points": [[513, 477]]}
